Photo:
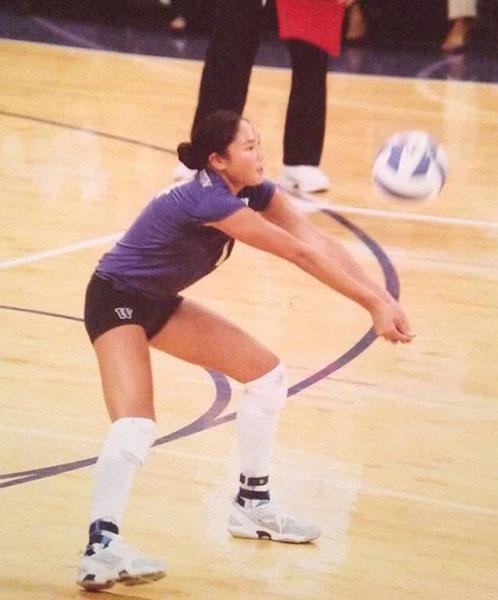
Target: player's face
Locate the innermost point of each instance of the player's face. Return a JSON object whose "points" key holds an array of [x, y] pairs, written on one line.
{"points": [[244, 158]]}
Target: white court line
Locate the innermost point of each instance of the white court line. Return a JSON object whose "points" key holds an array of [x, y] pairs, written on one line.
{"points": [[366, 489], [470, 508], [304, 202], [31, 258], [55, 435], [309, 204]]}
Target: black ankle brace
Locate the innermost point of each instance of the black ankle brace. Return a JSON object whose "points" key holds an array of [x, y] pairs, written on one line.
{"points": [[248, 489], [98, 529]]}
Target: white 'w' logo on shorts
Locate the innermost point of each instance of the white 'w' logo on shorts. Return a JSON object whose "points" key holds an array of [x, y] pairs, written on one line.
{"points": [[124, 312]]}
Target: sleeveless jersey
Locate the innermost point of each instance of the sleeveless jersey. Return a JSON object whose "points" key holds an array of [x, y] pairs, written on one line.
{"points": [[169, 247]]}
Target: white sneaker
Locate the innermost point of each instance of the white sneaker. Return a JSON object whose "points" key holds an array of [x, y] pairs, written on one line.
{"points": [[182, 174], [266, 521], [306, 178], [104, 565]]}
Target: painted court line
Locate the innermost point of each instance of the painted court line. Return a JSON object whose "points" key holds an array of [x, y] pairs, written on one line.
{"points": [[37, 256], [365, 489], [309, 204], [470, 508], [304, 202]]}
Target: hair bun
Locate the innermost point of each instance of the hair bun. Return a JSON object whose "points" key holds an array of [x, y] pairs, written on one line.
{"points": [[187, 156]]}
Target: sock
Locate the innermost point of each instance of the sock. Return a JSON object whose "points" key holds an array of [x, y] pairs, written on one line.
{"points": [[256, 427], [124, 450]]}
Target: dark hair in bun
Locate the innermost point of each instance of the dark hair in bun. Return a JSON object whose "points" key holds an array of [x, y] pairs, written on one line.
{"points": [[186, 155], [213, 134]]}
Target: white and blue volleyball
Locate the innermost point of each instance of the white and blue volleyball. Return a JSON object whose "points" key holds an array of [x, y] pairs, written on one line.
{"points": [[411, 166]]}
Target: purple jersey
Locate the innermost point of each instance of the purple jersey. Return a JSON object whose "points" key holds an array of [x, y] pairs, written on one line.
{"points": [[169, 247]]}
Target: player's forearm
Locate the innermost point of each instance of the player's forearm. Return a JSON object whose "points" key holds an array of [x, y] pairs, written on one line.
{"points": [[335, 276], [349, 264]]}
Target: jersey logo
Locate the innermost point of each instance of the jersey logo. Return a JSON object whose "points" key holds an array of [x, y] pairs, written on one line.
{"points": [[124, 312], [204, 179]]}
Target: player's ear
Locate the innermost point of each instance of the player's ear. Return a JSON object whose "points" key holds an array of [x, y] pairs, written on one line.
{"points": [[217, 161]]}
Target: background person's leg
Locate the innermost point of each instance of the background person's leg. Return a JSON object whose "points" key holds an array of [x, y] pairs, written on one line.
{"points": [[305, 118], [229, 57]]}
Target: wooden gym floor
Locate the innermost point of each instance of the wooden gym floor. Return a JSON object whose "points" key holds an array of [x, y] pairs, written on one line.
{"points": [[392, 450]]}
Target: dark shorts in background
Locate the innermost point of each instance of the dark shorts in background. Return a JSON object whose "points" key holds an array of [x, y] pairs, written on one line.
{"points": [[107, 307]]}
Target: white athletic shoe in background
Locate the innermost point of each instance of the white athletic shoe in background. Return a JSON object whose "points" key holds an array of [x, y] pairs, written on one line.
{"points": [[182, 174], [116, 562], [266, 521], [306, 178]]}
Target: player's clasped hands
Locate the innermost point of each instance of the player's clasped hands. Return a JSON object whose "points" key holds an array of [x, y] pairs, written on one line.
{"points": [[390, 322]]}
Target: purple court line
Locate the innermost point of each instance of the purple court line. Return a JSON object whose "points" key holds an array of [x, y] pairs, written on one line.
{"points": [[211, 417], [223, 392], [429, 70], [72, 38], [222, 398], [109, 136]]}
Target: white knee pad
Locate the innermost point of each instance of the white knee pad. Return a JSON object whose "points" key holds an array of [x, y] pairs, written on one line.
{"points": [[265, 395], [129, 440]]}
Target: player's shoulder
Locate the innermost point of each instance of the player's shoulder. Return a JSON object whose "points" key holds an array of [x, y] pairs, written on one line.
{"points": [[206, 198], [187, 194], [204, 183], [259, 196]]}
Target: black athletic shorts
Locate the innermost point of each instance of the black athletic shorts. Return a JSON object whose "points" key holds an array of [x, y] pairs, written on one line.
{"points": [[106, 308]]}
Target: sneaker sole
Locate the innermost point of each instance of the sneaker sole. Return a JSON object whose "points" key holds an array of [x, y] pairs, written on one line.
{"points": [[125, 579], [89, 586], [271, 536], [291, 186], [141, 579]]}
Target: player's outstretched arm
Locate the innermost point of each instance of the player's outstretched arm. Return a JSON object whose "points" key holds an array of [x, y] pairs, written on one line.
{"points": [[281, 212], [251, 228]]}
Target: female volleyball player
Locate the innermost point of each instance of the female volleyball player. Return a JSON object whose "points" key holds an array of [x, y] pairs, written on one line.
{"points": [[133, 302]]}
